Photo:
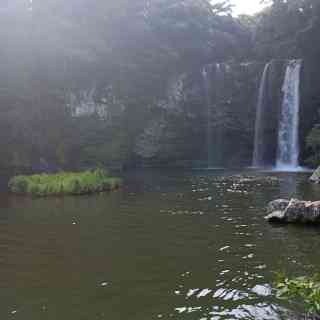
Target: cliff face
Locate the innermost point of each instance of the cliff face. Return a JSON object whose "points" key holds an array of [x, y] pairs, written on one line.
{"points": [[174, 132], [211, 120], [211, 116], [205, 118], [310, 101]]}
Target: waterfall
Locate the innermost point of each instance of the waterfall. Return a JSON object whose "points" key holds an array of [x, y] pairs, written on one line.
{"points": [[288, 135], [213, 79], [206, 73], [259, 143], [277, 138]]}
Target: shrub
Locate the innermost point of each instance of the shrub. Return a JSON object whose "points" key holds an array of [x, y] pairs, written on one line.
{"points": [[18, 185], [75, 183], [313, 143], [305, 289]]}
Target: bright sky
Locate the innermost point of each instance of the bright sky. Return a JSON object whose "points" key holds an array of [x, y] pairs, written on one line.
{"points": [[245, 6]]}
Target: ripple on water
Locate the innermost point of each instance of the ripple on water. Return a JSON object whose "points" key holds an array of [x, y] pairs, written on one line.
{"points": [[263, 290], [254, 311], [213, 260], [257, 311], [183, 212]]}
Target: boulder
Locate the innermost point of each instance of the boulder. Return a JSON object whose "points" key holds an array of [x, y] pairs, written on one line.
{"points": [[277, 205], [293, 211], [316, 176], [276, 216]]}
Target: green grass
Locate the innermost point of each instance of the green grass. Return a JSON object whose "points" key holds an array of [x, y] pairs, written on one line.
{"points": [[306, 290], [64, 183]]}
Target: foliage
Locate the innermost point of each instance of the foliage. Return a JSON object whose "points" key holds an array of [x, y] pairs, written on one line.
{"points": [[53, 47], [281, 28], [313, 143], [64, 183], [305, 289], [131, 49]]}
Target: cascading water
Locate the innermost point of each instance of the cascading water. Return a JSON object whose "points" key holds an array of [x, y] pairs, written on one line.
{"points": [[206, 73], [259, 143], [213, 75], [288, 137]]}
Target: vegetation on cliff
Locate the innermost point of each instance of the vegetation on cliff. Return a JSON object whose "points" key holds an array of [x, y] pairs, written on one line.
{"points": [[313, 143], [64, 183], [78, 94]]}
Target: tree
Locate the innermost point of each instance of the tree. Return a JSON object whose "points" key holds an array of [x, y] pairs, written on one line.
{"points": [[52, 47]]}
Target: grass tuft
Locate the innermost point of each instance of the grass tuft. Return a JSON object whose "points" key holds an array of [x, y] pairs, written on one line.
{"points": [[306, 290], [64, 183]]}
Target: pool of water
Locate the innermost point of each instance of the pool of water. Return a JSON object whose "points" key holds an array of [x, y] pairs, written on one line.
{"points": [[169, 245]]}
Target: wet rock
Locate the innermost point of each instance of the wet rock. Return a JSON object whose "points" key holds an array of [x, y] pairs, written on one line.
{"points": [[277, 205], [276, 216], [316, 176], [293, 211]]}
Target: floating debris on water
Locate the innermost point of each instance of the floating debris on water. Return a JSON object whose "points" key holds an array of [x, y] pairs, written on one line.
{"points": [[104, 284]]}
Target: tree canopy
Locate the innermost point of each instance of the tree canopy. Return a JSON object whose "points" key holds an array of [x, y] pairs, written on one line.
{"points": [[127, 51]]}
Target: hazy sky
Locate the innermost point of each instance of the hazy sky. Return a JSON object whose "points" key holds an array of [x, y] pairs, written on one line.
{"points": [[246, 6]]}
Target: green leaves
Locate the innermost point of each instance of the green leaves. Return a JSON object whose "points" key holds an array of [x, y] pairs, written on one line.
{"points": [[305, 289], [64, 183]]}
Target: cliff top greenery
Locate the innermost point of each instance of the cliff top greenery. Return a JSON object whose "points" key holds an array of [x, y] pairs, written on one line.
{"points": [[64, 183]]}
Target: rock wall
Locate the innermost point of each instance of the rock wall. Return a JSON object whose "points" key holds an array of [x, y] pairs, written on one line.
{"points": [[179, 129]]}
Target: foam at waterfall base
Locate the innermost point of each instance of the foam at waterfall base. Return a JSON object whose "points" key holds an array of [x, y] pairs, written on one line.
{"points": [[281, 168], [288, 168]]}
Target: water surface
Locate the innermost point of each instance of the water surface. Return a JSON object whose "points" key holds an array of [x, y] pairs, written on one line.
{"points": [[170, 245]]}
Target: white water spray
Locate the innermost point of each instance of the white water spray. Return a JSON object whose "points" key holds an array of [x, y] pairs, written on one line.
{"points": [[288, 137], [212, 75], [207, 85], [259, 143]]}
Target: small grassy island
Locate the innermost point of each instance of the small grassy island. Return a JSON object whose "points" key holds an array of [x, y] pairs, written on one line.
{"points": [[64, 183]]}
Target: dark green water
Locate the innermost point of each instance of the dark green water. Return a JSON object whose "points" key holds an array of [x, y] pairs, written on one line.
{"points": [[170, 245]]}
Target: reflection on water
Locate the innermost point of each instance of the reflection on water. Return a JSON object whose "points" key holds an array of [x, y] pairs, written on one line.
{"points": [[171, 245]]}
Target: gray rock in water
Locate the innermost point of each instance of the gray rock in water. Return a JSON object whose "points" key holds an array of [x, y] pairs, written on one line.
{"points": [[296, 211], [277, 205], [275, 216], [316, 176], [313, 212], [293, 211]]}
